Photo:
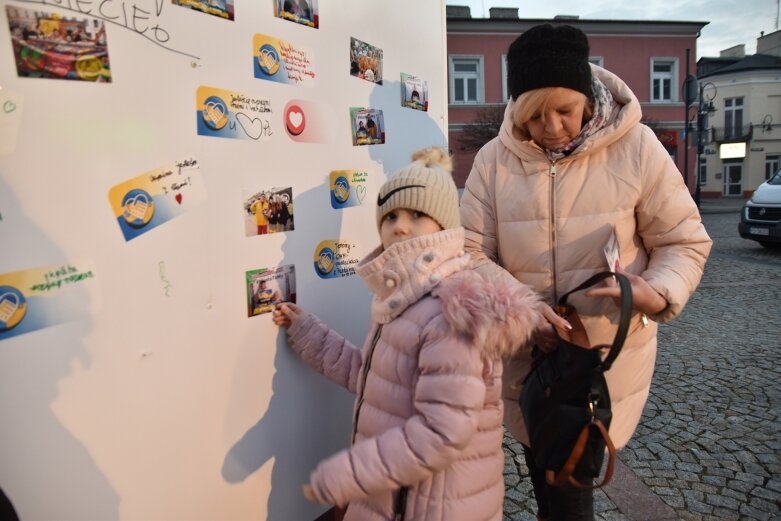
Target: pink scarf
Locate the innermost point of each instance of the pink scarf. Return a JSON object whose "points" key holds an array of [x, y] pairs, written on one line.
{"points": [[603, 108]]}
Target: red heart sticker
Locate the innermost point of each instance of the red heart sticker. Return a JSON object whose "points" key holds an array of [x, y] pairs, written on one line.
{"points": [[178, 198], [295, 121]]}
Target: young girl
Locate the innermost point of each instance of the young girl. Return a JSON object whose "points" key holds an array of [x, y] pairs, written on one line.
{"points": [[427, 432]]}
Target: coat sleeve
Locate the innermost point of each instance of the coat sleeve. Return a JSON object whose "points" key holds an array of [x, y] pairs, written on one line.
{"points": [[325, 350], [478, 217], [448, 399], [671, 228]]}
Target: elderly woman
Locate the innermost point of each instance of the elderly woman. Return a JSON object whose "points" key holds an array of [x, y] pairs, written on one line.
{"points": [[572, 166]]}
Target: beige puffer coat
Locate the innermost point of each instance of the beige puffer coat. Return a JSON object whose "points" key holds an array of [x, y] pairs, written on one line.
{"points": [[545, 225], [428, 413]]}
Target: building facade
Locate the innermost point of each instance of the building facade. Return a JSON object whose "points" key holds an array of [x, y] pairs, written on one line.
{"points": [[739, 137], [650, 56]]}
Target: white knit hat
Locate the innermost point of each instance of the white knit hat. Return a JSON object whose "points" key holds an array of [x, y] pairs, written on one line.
{"points": [[425, 185]]}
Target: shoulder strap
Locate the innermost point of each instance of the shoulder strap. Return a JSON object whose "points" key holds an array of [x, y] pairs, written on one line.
{"points": [[625, 309]]}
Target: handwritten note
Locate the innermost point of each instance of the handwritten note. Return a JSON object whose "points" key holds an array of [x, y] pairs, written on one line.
{"points": [[223, 113], [163, 279], [37, 298], [11, 104], [347, 188], [283, 62], [151, 199], [140, 16], [335, 258]]}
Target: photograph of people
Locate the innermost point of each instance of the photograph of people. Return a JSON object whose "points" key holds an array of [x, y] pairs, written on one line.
{"points": [[267, 287], [365, 61], [268, 211], [368, 126], [48, 45], [572, 162], [304, 12], [414, 92]]}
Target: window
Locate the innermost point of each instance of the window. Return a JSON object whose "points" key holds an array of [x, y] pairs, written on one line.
{"points": [[733, 117], [772, 164], [597, 60], [466, 79], [664, 72], [703, 171]]}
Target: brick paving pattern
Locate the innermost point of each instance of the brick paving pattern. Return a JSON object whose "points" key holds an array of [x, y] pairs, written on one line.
{"points": [[709, 442]]}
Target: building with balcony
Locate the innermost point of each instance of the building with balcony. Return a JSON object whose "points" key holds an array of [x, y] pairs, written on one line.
{"points": [[652, 57], [739, 124]]}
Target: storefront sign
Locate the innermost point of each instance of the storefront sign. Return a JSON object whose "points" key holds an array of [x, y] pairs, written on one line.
{"points": [[732, 150]]}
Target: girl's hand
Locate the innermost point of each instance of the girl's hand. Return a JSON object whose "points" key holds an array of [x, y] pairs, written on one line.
{"points": [[545, 335], [285, 314], [644, 298]]}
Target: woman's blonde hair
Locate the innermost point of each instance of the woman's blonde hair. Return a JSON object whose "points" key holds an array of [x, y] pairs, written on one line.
{"points": [[536, 102]]}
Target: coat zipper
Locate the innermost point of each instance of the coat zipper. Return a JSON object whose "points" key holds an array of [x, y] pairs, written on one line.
{"points": [[553, 238], [401, 504], [364, 374]]}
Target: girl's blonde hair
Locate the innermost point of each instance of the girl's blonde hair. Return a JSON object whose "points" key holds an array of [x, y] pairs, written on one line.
{"points": [[536, 102]]}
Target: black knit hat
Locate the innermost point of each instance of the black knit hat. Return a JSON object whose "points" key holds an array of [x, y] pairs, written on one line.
{"points": [[549, 56]]}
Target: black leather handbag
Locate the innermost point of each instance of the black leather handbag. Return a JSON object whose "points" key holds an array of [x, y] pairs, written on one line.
{"points": [[565, 399]]}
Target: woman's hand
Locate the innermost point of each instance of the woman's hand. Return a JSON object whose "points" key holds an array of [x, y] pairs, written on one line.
{"points": [[644, 298], [309, 493], [285, 314], [545, 335]]}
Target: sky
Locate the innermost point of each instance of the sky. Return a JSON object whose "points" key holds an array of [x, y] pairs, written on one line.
{"points": [[732, 22]]}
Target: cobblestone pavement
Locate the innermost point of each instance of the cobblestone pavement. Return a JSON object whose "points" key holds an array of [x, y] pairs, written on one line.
{"points": [[709, 442]]}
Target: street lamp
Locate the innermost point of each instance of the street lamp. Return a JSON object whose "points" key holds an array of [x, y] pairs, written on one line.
{"points": [[704, 109], [689, 95]]}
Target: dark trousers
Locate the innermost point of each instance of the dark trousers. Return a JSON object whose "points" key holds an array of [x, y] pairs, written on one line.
{"points": [[7, 512], [559, 503]]}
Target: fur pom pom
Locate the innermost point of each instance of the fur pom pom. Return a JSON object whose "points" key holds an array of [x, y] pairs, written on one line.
{"points": [[498, 316], [434, 156]]}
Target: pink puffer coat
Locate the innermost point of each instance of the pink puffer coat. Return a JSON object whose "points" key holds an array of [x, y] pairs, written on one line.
{"points": [[545, 224], [428, 414]]}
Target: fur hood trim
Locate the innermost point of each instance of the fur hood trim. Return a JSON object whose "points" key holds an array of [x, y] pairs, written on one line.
{"points": [[500, 317]]}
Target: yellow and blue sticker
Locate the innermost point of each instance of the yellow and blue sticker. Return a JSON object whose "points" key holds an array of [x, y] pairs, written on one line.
{"points": [[41, 297], [335, 258], [347, 188], [155, 197], [232, 115], [283, 62]]}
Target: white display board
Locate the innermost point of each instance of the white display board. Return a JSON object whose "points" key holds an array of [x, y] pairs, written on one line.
{"points": [[136, 382]]}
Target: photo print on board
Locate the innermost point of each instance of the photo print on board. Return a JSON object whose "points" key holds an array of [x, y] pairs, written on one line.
{"points": [[53, 45], [219, 8], [368, 126], [267, 287], [304, 12], [268, 211], [414, 92], [283, 62], [365, 61]]}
